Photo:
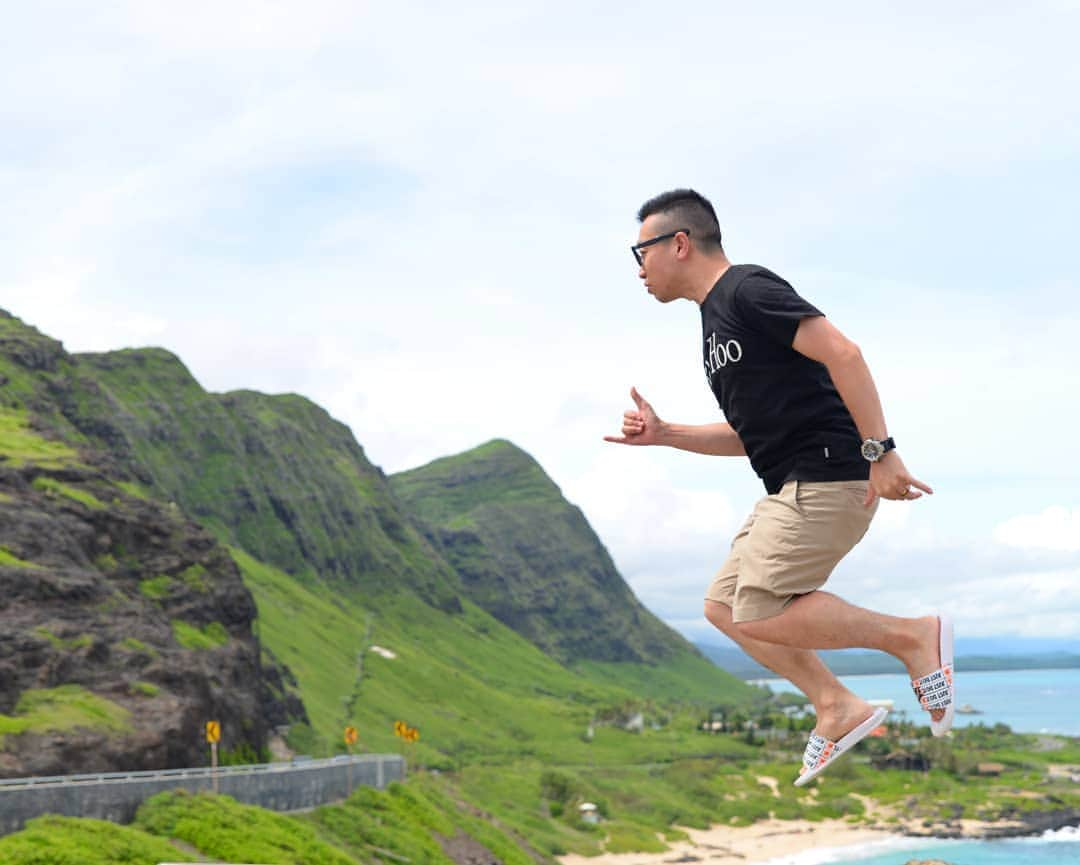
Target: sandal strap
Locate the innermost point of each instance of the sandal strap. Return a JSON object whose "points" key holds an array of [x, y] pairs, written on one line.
{"points": [[935, 691], [818, 751]]}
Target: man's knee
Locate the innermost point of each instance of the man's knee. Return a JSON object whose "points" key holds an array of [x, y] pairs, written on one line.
{"points": [[718, 614]]}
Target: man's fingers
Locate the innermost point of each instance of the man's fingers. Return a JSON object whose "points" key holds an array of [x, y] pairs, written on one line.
{"points": [[619, 440], [921, 486], [871, 494], [638, 399]]}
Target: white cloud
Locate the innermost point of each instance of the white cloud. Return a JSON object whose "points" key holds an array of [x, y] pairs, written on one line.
{"points": [[1056, 528], [457, 267]]}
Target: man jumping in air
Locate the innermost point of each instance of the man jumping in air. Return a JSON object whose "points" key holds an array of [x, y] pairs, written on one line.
{"points": [[801, 404]]}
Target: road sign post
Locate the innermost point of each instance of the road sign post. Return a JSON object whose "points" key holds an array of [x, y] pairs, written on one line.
{"points": [[409, 735], [350, 739], [213, 736]]}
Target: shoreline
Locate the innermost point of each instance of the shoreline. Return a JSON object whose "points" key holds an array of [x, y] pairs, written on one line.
{"points": [[774, 839], [730, 845]]}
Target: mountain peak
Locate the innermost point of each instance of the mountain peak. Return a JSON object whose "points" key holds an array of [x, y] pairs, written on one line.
{"points": [[530, 558]]}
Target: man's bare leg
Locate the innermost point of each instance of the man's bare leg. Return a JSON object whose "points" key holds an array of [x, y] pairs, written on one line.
{"points": [[838, 709], [821, 620]]}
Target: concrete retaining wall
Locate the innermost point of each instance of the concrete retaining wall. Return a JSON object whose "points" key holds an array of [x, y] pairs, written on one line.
{"points": [[116, 796]]}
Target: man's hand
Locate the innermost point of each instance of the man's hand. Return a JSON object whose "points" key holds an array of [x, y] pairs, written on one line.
{"points": [[889, 479], [640, 426]]}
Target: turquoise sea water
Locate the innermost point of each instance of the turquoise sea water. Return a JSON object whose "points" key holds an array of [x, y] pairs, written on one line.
{"points": [[1029, 701], [1054, 848]]}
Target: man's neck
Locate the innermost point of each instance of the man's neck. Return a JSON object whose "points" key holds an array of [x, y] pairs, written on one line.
{"points": [[708, 275]]}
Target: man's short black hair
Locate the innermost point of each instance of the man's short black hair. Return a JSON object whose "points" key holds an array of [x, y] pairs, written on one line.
{"points": [[684, 208]]}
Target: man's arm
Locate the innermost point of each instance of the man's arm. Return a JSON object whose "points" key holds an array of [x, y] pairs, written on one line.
{"points": [[642, 426], [819, 340]]}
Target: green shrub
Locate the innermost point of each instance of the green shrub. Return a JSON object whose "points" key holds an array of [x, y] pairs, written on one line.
{"points": [[7, 557], [155, 588], [23, 446], [244, 755], [131, 644], [105, 563], [223, 828], [191, 637], [72, 644], [302, 739], [53, 487], [53, 840], [195, 579], [64, 708]]}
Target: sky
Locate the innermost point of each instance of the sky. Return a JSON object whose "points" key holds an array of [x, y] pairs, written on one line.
{"points": [[419, 216]]}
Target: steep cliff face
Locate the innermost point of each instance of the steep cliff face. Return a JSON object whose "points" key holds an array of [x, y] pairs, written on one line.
{"points": [[124, 625], [275, 475], [530, 558]]}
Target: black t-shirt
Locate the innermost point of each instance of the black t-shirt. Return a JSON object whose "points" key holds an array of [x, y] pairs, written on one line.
{"points": [[782, 404]]}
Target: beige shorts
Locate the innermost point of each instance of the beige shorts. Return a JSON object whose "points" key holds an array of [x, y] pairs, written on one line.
{"points": [[789, 545]]}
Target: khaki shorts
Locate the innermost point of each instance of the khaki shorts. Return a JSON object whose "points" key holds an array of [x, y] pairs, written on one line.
{"points": [[789, 545]]}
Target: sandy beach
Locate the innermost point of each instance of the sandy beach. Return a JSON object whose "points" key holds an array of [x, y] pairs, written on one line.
{"points": [[774, 839], [727, 845]]}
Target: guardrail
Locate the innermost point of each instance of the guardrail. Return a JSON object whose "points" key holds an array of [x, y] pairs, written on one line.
{"points": [[116, 796], [199, 772]]}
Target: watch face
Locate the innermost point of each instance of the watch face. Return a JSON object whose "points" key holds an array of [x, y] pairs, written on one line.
{"points": [[872, 450]]}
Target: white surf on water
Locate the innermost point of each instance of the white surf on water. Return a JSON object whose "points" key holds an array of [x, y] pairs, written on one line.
{"points": [[1066, 833], [853, 852]]}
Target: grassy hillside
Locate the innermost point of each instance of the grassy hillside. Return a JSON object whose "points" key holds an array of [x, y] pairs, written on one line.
{"points": [[478, 691], [530, 809], [331, 549]]}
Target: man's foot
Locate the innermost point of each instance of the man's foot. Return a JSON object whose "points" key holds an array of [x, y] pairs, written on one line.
{"points": [[927, 656], [836, 720], [931, 671], [822, 752]]}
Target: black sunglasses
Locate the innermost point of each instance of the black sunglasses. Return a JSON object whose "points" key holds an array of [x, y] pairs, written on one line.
{"points": [[637, 247]]}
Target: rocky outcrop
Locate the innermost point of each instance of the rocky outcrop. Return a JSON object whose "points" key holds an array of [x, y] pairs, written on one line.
{"points": [[122, 605]]}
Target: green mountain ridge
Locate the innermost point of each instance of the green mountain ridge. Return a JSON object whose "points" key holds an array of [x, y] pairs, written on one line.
{"points": [[338, 558], [530, 558], [275, 475]]}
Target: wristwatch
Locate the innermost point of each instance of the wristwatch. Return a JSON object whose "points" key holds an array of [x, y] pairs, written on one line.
{"points": [[873, 450]]}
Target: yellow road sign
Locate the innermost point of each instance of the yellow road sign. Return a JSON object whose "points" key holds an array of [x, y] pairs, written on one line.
{"points": [[350, 735], [400, 728], [213, 732]]}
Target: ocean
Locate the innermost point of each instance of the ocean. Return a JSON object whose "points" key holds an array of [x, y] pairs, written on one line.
{"points": [[1029, 701], [1061, 847]]}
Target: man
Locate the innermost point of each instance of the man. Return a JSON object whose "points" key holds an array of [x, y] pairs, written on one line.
{"points": [[799, 401]]}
